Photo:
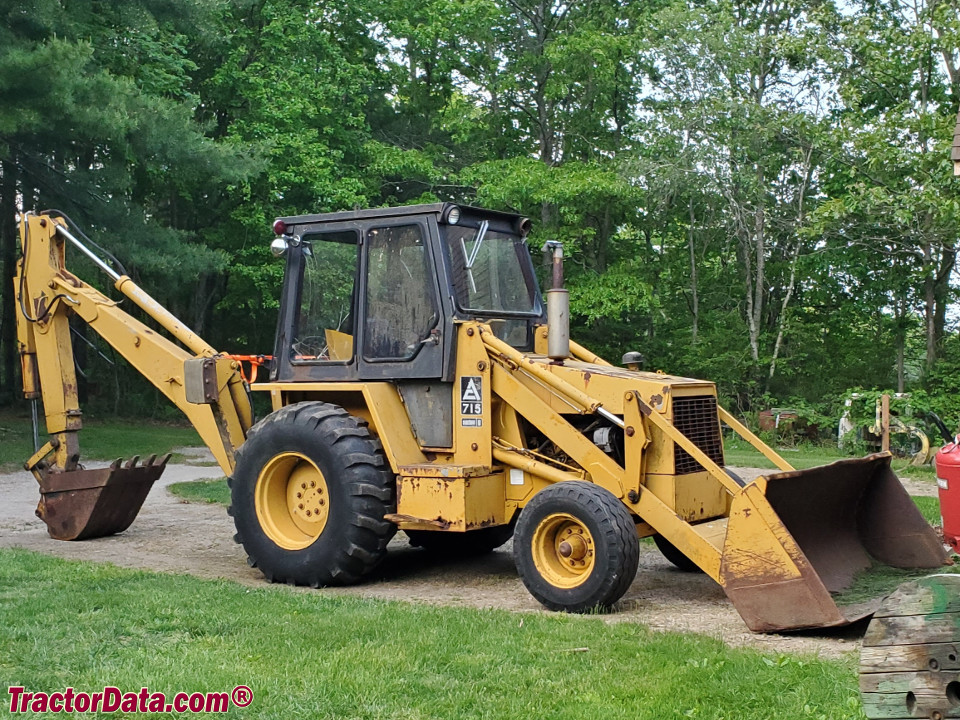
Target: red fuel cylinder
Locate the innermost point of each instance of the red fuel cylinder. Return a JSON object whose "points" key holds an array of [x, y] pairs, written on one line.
{"points": [[948, 483]]}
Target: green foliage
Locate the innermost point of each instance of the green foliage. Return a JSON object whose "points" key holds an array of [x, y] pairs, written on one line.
{"points": [[942, 384], [757, 195]]}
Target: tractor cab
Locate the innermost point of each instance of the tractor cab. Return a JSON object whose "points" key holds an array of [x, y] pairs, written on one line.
{"points": [[375, 294]]}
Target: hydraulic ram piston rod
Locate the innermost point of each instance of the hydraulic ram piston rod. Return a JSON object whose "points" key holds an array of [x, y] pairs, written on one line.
{"points": [[167, 320]]}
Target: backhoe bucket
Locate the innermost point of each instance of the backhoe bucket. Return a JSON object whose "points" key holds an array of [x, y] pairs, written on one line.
{"points": [[794, 538], [83, 504]]}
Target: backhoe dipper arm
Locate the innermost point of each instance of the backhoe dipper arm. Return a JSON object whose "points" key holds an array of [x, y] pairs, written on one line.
{"points": [[205, 385]]}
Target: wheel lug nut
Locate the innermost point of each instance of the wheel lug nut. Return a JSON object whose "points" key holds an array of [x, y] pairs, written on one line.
{"points": [[321, 502], [300, 506], [303, 485], [308, 513], [299, 495], [313, 483]]}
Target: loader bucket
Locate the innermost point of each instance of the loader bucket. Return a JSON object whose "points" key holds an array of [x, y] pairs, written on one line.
{"points": [[83, 504], [795, 540]]}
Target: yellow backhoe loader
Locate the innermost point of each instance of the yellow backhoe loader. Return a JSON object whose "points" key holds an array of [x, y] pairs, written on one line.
{"points": [[419, 383]]}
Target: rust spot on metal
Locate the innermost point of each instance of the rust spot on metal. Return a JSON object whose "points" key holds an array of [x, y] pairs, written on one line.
{"points": [[488, 522], [401, 518], [656, 400]]}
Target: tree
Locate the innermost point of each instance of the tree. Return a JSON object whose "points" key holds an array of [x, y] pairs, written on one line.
{"points": [[96, 119]]}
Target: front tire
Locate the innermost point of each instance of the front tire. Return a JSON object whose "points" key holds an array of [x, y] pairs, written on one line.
{"points": [[309, 493], [576, 547]]}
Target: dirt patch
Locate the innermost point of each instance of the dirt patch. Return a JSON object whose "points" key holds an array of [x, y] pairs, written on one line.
{"points": [[173, 536]]}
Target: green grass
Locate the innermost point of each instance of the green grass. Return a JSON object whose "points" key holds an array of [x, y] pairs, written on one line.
{"points": [[99, 439], [205, 491], [310, 655], [881, 580], [738, 453], [930, 508]]}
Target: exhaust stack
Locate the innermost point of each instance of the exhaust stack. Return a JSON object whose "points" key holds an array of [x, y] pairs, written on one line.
{"points": [[558, 307]]}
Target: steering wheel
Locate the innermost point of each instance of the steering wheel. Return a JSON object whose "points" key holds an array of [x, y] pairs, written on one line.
{"points": [[311, 346]]}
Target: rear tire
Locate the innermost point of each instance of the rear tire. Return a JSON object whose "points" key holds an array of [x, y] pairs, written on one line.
{"points": [[309, 493], [576, 547], [671, 553], [451, 544]]}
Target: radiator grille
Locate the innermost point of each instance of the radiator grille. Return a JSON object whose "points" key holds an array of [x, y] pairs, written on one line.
{"points": [[696, 417]]}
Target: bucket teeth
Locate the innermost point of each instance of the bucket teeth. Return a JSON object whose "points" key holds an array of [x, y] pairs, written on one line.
{"points": [[115, 465], [149, 461], [132, 462], [164, 460]]}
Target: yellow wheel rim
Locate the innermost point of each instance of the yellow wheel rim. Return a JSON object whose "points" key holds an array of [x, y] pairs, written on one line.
{"points": [[563, 550], [292, 500]]}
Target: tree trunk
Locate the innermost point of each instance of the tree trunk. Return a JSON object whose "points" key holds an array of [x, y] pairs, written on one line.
{"points": [[759, 244], [801, 217], [929, 303], [8, 251], [941, 291], [783, 311], [694, 294], [901, 374], [603, 236], [900, 312], [748, 290]]}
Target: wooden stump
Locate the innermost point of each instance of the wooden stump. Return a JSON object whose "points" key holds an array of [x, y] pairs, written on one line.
{"points": [[910, 657]]}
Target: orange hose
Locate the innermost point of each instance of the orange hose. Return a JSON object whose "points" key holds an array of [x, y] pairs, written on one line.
{"points": [[255, 362]]}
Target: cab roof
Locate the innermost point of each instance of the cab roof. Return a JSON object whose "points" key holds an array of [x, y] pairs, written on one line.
{"points": [[440, 209]]}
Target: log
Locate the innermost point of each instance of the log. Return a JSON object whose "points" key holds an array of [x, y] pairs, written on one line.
{"points": [[910, 657]]}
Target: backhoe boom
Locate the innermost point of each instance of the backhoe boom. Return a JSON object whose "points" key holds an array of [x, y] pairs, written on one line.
{"points": [[205, 385]]}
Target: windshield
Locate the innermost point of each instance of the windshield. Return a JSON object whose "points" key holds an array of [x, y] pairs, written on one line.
{"points": [[488, 270]]}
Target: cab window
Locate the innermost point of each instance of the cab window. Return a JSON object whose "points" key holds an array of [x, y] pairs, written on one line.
{"points": [[400, 306], [324, 326]]}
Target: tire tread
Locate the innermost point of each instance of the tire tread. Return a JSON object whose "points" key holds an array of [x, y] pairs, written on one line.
{"points": [[370, 489]]}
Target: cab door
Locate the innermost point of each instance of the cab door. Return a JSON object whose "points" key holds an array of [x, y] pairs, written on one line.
{"points": [[401, 332]]}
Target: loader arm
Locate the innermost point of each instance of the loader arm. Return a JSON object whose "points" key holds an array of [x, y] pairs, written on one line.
{"points": [[781, 546], [206, 386]]}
